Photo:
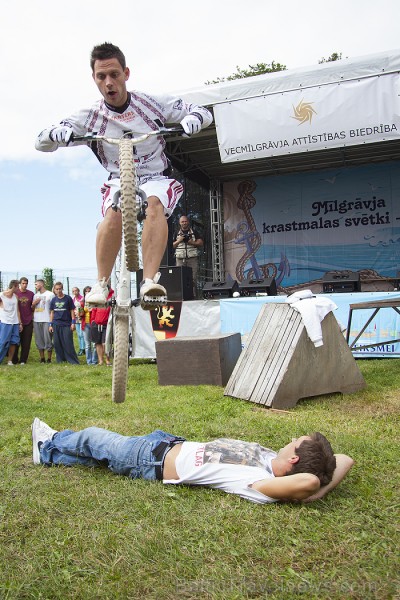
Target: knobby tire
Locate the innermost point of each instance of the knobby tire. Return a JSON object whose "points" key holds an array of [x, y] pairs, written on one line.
{"points": [[121, 356], [128, 204]]}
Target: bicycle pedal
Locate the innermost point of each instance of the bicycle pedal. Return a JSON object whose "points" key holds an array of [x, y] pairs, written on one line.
{"points": [[96, 304], [151, 302]]}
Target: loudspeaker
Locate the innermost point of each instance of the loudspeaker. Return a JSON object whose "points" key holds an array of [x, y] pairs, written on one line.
{"points": [[252, 287], [178, 281], [346, 281], [219, 289]]}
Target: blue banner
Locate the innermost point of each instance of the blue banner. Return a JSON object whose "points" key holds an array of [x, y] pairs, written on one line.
{"points": [[299, 226]]}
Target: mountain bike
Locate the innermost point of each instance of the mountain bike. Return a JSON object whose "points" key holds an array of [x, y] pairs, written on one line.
{"points": [[132, 203]]}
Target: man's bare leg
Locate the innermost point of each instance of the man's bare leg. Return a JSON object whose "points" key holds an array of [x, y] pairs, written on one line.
{"points": [[10, 353], [108, 243], [154, 237], [154, 241]]}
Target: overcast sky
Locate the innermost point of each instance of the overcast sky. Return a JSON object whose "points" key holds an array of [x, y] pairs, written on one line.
{"points": [[50, 203]]}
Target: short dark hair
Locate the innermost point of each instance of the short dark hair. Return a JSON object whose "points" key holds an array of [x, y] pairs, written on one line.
{"points": [[21, 279], [104, 51], [316, 457]]}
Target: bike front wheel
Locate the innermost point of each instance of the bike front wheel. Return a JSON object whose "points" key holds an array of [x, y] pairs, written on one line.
{"points": [[128, 204], [121, 357]]}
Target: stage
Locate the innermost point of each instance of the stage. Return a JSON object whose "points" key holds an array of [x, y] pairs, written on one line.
{"points": [[231, 315]]}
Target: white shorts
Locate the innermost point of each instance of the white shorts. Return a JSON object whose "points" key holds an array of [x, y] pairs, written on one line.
{"points": [[168, 191]]}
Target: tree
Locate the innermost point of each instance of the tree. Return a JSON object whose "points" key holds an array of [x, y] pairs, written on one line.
{"points": [[334, 56], [47, 275], [258, 69], [261, 68]]}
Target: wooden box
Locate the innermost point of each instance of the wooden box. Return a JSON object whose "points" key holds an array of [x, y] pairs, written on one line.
{"points": [[205, 360]]}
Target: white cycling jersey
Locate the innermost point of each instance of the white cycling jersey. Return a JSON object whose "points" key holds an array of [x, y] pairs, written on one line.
{"points": [[140, 114]]}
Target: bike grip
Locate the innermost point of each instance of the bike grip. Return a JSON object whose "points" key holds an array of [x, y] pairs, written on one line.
{"points": [[88, 137], [175, 129]]}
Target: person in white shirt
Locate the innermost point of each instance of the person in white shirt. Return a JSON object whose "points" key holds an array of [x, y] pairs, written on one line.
{"points": [[10, 322], [304, 470], [118, 112], [41, 320]]}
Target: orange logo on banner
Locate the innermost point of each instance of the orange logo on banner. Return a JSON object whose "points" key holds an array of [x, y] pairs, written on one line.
{"points": [[303, 112], [165, 320]]}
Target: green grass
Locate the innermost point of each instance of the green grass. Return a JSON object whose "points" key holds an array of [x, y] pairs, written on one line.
{"points": [[86, 533]]}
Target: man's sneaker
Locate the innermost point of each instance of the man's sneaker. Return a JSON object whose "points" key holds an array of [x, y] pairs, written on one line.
{"points": [[97, 295], [41, 432], [152, 294], [10, 363]]}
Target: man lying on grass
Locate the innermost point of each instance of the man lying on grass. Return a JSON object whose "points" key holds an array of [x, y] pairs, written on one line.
{"points": [[305, 469]]}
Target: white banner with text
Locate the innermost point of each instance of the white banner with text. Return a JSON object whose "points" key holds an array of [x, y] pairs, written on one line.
{"points": [[328, 116]]}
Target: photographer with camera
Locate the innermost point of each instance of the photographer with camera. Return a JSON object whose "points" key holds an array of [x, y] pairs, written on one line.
{"points": [[186, 244]]}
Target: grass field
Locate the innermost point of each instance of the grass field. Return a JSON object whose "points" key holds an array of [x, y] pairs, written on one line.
{"points": [[81, 533]]}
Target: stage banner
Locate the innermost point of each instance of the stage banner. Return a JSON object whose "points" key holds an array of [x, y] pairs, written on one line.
{"points": [[241, 313], [177, 319], [327, 116], [299, 226]]}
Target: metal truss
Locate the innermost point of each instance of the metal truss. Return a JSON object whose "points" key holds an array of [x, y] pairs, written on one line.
{"points": [[217, 231]]}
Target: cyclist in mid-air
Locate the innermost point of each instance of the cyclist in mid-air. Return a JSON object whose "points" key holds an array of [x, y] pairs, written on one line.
{"points": [[118, 112]]}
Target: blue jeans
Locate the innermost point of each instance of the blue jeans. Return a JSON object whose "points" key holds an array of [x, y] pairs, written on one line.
{"points": [[93, 447], [9, 335], [90, 348], [79, 333]]}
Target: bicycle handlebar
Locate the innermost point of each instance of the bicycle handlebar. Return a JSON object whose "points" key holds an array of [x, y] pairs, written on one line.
{"points": [[135, 137]]}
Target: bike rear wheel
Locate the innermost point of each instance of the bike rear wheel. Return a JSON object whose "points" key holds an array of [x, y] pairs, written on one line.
{"points": [[128, 204], [121, 355]]}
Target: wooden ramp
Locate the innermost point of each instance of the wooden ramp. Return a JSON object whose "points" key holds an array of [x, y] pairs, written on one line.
{"points": [[280, 364]]}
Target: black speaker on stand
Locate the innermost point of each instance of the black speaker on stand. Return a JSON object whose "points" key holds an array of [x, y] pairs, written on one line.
{"points": [[178, 281], [254, 287], [343, 281], [215, 290]]}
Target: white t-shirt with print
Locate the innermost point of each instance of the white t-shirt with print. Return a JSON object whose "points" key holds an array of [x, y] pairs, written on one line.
{"points": [[42, 309], [226, 464], [9, 310]]}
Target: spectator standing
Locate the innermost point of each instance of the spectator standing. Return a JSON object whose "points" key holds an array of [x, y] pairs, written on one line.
{"points": [[98, 321], [41, 320], [10, 322], [90, 348], [186, 243], [77, 300], [25, 298], [62, 325]]}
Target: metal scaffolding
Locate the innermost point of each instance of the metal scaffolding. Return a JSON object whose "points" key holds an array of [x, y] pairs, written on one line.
{"points": [[217, 231]]}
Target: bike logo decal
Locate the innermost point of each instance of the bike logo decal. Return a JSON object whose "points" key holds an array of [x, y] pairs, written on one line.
{"points": [[165, 320], [303, 112]]}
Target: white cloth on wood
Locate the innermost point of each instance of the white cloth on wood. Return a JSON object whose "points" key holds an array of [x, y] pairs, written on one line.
{"points": [[313, 310]]}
